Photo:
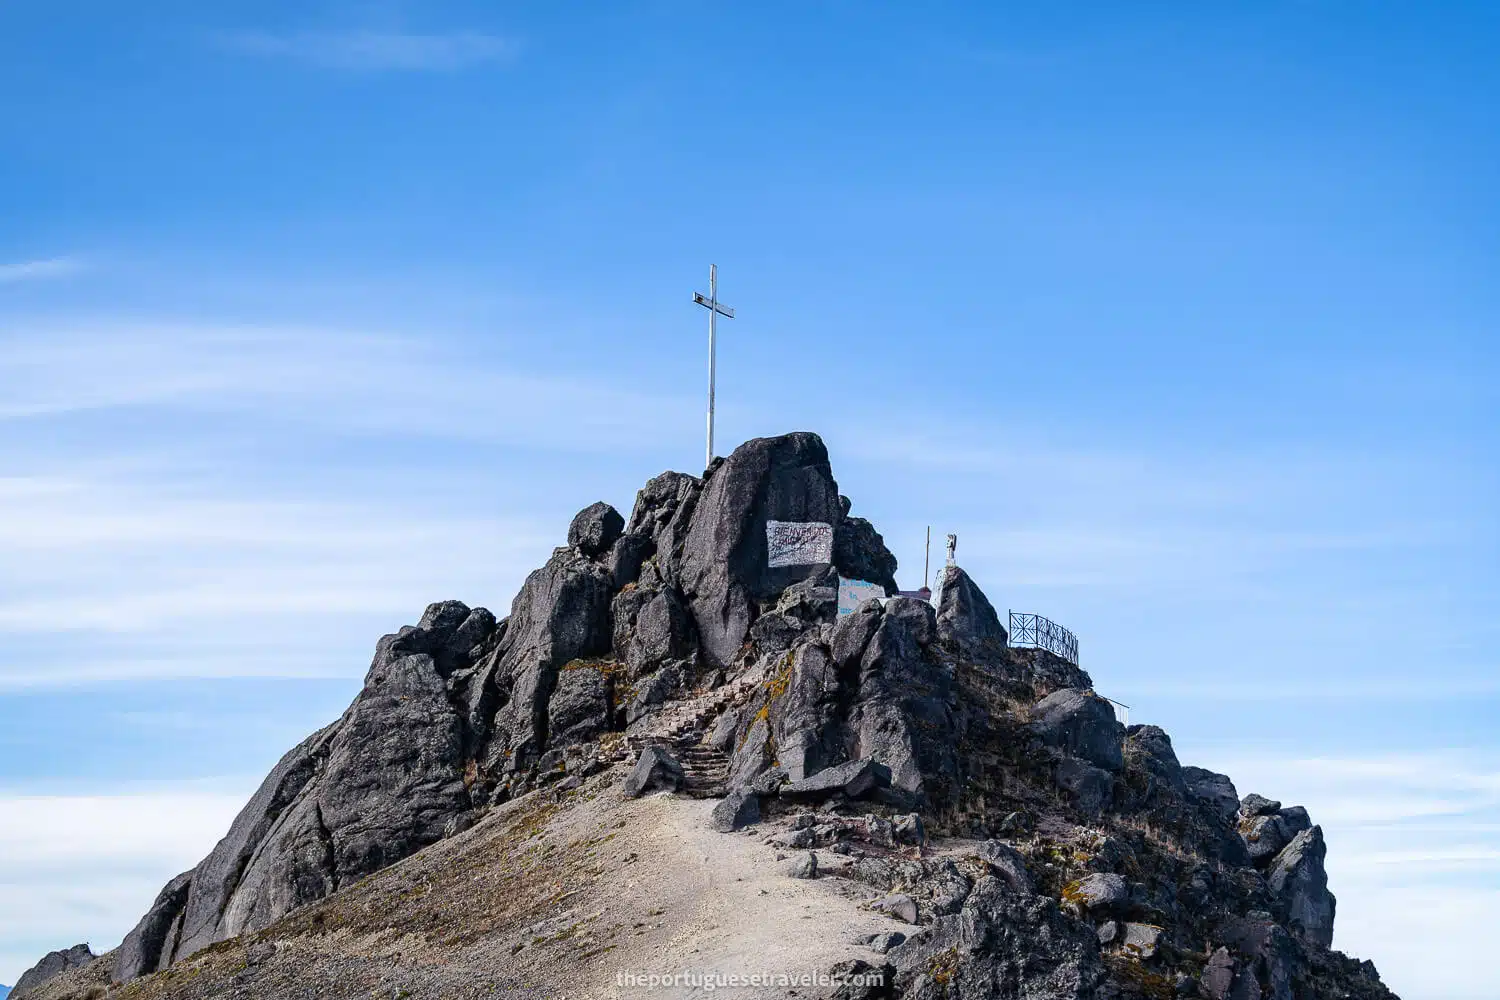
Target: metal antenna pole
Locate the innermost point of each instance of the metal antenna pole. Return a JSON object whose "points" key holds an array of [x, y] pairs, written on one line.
{"points": [[715, 310], [927, 557]]}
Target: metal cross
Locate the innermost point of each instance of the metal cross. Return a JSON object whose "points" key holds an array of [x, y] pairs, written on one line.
{"points": [[715, 310]]}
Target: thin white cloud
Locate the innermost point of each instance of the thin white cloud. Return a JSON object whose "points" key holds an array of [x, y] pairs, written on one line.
{"points": [[375, 51], [371, 383], [85, 867], [39, 270]]}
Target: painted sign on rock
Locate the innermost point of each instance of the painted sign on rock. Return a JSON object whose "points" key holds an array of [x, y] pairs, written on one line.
{"points": [[853, 593], [798, 543]]}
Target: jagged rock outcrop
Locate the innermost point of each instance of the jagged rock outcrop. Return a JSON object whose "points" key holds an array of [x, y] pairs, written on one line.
{"points": [[53, 964], [1102, 862], [1299, 882], [724, 571], [1000, 944]]}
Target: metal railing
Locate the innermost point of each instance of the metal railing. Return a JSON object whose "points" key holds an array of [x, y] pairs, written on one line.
{"points": [[1043, 633]]}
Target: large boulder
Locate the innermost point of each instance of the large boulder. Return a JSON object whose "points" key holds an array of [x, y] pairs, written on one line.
{"points": [[965, 616], [1216, 791], [53, 964], [1081, 723], [739, 808], [654, 769], [853, 779], [595, 529], [725, 570], [1299, 881]]}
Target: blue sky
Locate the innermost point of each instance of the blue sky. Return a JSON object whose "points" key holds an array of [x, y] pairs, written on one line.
{"points": [[1183, 317]]}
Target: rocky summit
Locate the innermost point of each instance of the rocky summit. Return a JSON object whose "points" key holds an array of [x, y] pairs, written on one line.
{"points": [[675, 758]]}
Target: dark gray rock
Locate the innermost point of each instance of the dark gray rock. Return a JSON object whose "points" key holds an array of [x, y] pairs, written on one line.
{"points": [[853, 779], [655, 689], [858, 980], [796, 838], [775, 632], [1149, 749], [1218, 975], [1258, 805], [965, 616], [154, 936], [918, 618], [561, 614], [767, 782], [803, 866], [897, 905], [806, 725], [737, 809], [883, 942], [460, 823], [1215, 790], [908, 829], [654, 769], [1264, 835], [626, 556], [1299, 881], [579, 709], [663, 631], [1001, 944], [1008, 864], [663, 513], [1090, 788], [1294, 819], [53, 964], [1102, 893], [595, 528], [1081, 723], [724, 571], [860, 554]]}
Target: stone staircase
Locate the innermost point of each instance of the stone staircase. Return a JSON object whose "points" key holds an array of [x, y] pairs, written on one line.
{"points": [[679, 727]]}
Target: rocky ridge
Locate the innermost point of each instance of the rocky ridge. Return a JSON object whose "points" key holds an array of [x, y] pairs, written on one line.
{"points": [[668, 643]]}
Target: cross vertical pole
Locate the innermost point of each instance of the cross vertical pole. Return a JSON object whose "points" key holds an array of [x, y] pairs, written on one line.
{"points": [[715, 310], [713, 354]]}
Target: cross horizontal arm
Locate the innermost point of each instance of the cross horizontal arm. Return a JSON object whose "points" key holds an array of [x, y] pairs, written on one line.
{"points": [[718, 307]]}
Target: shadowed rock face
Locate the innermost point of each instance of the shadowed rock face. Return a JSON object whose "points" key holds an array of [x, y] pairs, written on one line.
{"points": [[898, 705]]}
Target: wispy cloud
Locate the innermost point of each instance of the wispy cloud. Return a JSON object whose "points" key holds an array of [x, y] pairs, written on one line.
{"points": [[39, 270], [374, 51], [333, 378], [62, 882]]}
